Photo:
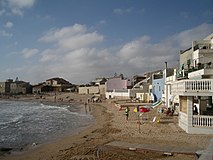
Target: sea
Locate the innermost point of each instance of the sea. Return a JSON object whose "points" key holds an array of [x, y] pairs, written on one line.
{"points": [[24, 124]]}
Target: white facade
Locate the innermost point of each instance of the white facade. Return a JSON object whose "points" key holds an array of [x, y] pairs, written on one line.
{"points": [[144, 97], [168, 98], [88, 90], [118, 93], [196, 89]]}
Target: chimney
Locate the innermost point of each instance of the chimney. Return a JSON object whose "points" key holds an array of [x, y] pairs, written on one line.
{"points": [[165, 65]]}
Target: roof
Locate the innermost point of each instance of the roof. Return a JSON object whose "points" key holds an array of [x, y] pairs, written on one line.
{"points": [[209, 37], [59, 80], [183, 51]]}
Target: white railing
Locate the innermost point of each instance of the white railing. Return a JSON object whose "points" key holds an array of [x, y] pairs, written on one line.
{"points": [[204, 121], [192, 86]]}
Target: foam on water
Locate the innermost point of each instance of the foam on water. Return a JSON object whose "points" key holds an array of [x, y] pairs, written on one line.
{"points": [[24, 123], [12, 120]]}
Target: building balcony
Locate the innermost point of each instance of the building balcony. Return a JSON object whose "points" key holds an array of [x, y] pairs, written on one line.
{"points": [[202, 69], [204, 51], [203, 87], [201, 72]]}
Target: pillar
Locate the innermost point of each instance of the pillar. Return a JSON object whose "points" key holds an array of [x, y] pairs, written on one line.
{"points": [[189, 110]]}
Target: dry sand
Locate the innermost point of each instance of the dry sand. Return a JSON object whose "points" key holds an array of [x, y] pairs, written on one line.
{"points": [[111, 125]]}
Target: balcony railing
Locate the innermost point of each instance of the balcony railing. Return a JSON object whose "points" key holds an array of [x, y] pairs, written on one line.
{"points": [[192, 86], [202, 121]]}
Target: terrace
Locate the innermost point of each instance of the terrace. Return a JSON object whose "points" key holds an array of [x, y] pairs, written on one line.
{"points": [[203, 87]]}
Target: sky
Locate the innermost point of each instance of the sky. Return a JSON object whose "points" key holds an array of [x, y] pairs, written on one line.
{"points": [[80, 40]]}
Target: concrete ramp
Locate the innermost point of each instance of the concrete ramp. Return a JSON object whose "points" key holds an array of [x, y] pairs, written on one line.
{"points": [[207, 154], [154, 147]]}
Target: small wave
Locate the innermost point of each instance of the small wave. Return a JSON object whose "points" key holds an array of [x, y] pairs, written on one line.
{"points": [[79, 114], [4, 127], [14, 120], [54, 107], [74, 113]]}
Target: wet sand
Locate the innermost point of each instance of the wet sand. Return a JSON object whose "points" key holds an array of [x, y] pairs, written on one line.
{"points": [[111, 125]]}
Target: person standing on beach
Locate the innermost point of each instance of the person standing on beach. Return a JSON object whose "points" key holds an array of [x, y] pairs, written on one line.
{"points": [[127, 113], [85, 105]]}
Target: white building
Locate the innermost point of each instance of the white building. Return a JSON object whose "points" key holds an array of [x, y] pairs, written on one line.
{"points": [[195, 87], [170, 100]]}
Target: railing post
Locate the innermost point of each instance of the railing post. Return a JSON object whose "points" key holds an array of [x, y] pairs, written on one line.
{"points": [[202, 121]]}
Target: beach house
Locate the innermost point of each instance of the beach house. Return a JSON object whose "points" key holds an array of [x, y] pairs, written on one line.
{"points": [[170, 101], [140, 90], [194, 87], [118, 87], [157, 85], [41, 88], [20, 87], [151, 88], [59, 84], [5, 86], [96, 87]]}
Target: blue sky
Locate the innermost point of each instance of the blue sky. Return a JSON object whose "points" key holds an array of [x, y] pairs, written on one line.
{"points": [[80, 40]]}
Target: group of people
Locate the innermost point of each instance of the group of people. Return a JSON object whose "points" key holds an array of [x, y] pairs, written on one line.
{"points": [[168, 112]]}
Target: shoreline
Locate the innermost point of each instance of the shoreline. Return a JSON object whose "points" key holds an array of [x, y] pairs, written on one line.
{"points": [[110, 125], [56, 143], [8, 151]]}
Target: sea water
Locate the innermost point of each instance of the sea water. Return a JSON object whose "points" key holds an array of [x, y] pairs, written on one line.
{"points": [[25, 123]]}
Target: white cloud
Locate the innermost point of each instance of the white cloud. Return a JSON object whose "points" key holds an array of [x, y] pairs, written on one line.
{"points": [[134, 48], [121, 11], [81, 41], [9, 25], [27, 53], [55, 35], [21, 3], [73, 37], [5, 34], [16, 7], [83, 62], [143, 55], [50, 55], [184, 39]]}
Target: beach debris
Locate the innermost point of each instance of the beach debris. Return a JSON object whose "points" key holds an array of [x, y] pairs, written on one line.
{"points": [[34, 144], [168, 154], [132, 148], [154, 119]]}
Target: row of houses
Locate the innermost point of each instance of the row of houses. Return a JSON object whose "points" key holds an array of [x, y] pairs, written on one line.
{"points": [[188, 89], [10, 87], [145, 88]]}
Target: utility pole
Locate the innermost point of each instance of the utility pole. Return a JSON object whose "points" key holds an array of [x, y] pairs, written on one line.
{"points": [[167, 99]]}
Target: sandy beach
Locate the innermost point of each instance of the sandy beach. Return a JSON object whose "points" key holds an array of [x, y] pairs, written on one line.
{"points": [[111, 125]]}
